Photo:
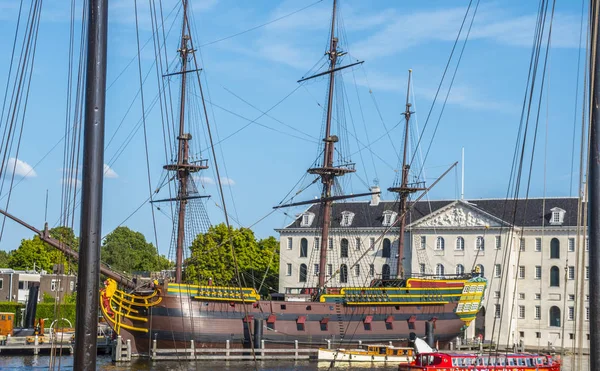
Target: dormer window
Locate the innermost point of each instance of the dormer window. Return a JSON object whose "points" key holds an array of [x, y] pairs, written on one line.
{"points": [[389, 217], [307, 219], [557, 217], [347, 218]]}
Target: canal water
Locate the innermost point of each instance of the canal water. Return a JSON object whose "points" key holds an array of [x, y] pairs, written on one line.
{"points": [[19, 363]]}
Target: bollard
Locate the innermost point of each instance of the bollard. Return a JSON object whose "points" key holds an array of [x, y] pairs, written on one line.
{"points": [[192, 349], [262, 346], [296, 347], [451, 346], [227, 347], [128, 349], [390, 343], [328, 344], [36, 350], [119, 349], [153, 348], [360, 344]]}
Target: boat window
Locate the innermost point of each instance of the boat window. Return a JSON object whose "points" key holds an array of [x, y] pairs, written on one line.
{"points": [[382, 350], [521, 361]]}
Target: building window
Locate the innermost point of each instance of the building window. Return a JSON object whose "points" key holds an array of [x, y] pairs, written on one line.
{"points": [[497, 310], [344, 248], [387, 247], [554, 276], [538, 244], [302, 276], [288, 271], [329, 269], [423, 242], [497, 270], [371, 270], [571, 297], [557, 216], [538, 296], [422, 268], [479, 269], [571, 244], [587, 244], [317, 243], [357, 243], [290, 243], [440, 244], [496, 294], [538, 312], [538, 335], [347, 218], [307, 219], [587, 313], [460, 269], [522, 244], [372, 243], [521, 271], [53, 285], [343, 273], [330, 247], [316, 269], [389, 217], [385, 272], [460, 243], [554, 249], [522, 334], [521, 311], [303, 248], [571, 273], [480, 244], [1, 283], [498, 242], [521, 296], [538, 272], [587, 273], [571, 313], [357, 270], [439, 270], [554, 316]]}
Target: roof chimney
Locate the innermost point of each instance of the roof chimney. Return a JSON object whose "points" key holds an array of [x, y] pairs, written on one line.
{"points": [[375, 198]]}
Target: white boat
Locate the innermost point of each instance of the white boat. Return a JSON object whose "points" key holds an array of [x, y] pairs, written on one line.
{"points": [[372, 353]]}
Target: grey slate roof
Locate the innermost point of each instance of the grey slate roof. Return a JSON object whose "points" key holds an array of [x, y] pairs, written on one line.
{"points": [[529, 213]]}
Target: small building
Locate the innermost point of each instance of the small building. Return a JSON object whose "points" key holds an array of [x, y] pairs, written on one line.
{"points": [[14, 284]]}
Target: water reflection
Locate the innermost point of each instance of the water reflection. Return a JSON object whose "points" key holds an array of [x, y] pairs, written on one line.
{"points": [[105, 363]]}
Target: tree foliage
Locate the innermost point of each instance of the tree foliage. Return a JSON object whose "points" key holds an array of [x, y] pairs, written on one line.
{"points": [[212, 258], [4, 256], [128, 251], [34, 252]]}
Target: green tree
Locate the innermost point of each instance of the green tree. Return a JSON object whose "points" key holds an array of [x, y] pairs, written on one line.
{"points": [[34, 252], [211, 258], [128, 251], [4, 256]]}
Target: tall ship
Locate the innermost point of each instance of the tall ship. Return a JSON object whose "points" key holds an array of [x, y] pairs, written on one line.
{"points": [[173, 312]]}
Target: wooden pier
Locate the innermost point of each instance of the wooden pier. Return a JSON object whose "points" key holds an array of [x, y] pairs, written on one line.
{"points": [[122, 352], [20, 345]]}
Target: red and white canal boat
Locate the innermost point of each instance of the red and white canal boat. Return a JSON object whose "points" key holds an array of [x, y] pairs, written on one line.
{"points": [[486, 362]]}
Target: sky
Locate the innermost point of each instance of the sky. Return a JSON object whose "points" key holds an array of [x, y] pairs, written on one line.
{"points": [[252, 54]]}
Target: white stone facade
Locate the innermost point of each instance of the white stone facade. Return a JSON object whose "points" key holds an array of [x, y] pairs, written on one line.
{"points": [[532, 271]]}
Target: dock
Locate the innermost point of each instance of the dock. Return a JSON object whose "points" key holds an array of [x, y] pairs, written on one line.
{"points": [[19, 344], [121, 352]]}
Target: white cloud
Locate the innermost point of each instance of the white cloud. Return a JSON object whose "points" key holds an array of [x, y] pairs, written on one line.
{"points": [[109, 172], [20, 168], [72, 182], [208, 180], [227, 181]]}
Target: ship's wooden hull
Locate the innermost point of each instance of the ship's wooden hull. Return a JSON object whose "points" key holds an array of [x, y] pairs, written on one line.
{"points": [[179, 319]]}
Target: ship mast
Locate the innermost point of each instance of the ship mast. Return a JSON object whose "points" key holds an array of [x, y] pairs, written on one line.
{"points": [[328, 172], [594, 188], [404, 189], [183, 167]]}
